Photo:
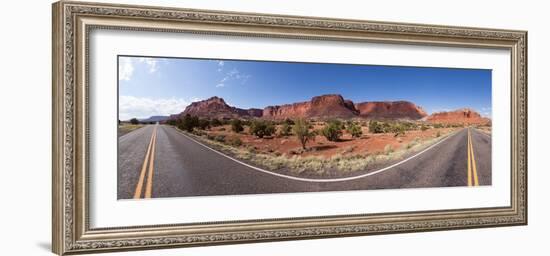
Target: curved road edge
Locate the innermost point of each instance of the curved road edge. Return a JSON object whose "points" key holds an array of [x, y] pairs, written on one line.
{"points": [[321, 180]]}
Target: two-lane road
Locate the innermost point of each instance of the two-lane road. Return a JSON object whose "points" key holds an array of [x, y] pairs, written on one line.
{"points": [[159, 161]]}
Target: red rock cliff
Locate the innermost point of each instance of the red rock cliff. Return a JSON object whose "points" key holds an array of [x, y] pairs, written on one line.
{"points": [[324, 106], [390, 110], [460, 116], [319, 107]]}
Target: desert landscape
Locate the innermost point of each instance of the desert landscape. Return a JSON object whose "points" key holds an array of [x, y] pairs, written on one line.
{"points": [[338, 137], [239, 138]]}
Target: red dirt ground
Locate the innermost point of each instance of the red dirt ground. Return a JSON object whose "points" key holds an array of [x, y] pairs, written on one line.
{"points": [[367, 144]]}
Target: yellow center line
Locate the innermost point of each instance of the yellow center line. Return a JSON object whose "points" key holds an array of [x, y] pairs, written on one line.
{"points": [[474, 165], [149, 187], [139, 186], [469, 161]]}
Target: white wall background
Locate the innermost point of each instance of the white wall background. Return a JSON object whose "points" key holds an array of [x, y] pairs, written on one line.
{"points": [[25, 149]]}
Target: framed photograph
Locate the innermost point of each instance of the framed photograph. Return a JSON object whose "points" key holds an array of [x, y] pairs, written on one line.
{"points": [[179, 127]]}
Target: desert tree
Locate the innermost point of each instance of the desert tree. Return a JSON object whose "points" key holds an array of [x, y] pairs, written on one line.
{"points": [[301, 129], [188, 123], [134, 121]]}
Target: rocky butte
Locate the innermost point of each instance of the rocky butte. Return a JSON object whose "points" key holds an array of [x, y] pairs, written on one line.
{"points": [[215, 107], [460, 116]]}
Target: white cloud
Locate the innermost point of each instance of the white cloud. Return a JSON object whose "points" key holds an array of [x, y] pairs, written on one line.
{"points": [[125, 68], [220, 65], [233, 75], [151, 64], [130, 107]]}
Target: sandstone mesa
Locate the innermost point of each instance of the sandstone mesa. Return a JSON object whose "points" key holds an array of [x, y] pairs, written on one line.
{"points": [[331, 106]]}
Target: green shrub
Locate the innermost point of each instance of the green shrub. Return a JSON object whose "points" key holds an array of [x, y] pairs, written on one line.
{"points": [[375, 127], [354, 130], [338, 124], [226, 121], [236, 125], [134, 121], [188, 123], [220, 138], [261, 128], [398, 129], [332, 131], [286, 129], [203, 124], [423, 127], [215, 122], [301, 129]]}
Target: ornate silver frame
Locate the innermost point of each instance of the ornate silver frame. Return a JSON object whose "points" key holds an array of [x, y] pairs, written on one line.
{"points": [[72, 22]]}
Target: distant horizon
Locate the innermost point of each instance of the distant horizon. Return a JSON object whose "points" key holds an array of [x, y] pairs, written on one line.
{"points": [[160, 86], [147, 117]]}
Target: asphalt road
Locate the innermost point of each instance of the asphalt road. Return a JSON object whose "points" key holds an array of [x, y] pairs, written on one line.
{"points": [[179, 166]]}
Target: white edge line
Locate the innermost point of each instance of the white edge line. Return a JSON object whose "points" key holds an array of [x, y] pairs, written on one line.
{"points": [[318, 180]]}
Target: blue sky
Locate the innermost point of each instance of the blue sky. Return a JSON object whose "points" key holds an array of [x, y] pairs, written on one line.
{"points": [[160, 86]]}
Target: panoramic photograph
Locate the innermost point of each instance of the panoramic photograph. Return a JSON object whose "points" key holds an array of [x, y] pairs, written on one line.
{"points": [[209, 127]]}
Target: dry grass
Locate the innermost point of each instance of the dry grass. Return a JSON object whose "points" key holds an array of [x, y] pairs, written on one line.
{"points": [[127, 128]]}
